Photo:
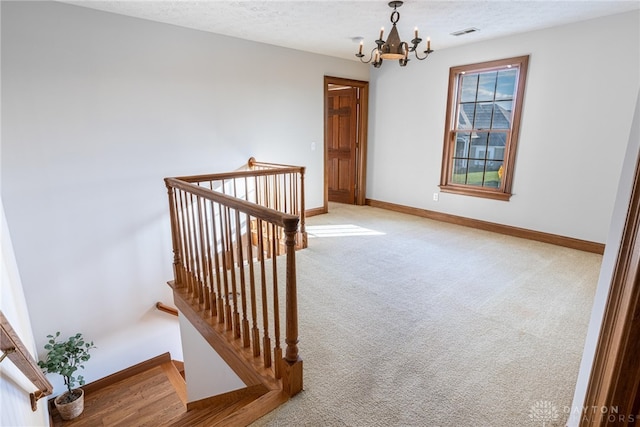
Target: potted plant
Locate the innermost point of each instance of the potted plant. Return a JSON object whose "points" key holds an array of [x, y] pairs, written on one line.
{"points": [[65, 358]]}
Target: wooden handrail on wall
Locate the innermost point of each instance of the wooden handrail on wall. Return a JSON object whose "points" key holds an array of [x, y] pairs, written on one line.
{"points": [[13, 348], [167, 309], [227, 232]]}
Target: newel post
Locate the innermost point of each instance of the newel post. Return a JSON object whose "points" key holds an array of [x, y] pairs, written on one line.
{"points": [[177, 276], [291, 362]]}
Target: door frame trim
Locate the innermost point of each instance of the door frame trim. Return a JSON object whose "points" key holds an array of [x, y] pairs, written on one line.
{"points": [[615, 374], [363, 125]]}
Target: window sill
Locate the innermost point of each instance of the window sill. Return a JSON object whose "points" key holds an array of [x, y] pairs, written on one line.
{"points": [[476, 192]]}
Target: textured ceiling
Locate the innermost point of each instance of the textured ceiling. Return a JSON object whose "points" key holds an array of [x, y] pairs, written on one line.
{"points": [[329, 27]]}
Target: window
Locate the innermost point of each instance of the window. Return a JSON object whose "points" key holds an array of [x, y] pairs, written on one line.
{"points": [[482, 124]]}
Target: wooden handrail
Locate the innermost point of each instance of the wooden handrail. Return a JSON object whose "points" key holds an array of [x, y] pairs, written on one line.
{"points": [[239, 174], [167, 309], [254, 163], [224, 227], [12, 346], [289, 200], [268, 214]]}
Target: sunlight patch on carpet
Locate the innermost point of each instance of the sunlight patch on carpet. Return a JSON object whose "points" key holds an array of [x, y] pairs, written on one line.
{"points": [[343, 230]]}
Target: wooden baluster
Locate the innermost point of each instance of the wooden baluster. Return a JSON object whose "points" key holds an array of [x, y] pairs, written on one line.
{"points": [[217, 303], [291, 364], [292, 193], [269, 190], [208, 223], [229, 240], [277, 351], [294, 202], [188, 216], [254, 222], [228, 319], [276, 193], [189, 245], [203, 293], [234, 284], [220, 266], [256, 183], [184, 213], [197, 279], [243, 285], [303, 230], [247, 191], [266, 340], [255, 332], [180, 237], [282, 207], [288, 204]]}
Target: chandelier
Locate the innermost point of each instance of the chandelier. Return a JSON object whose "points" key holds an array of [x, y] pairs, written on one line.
{"points": [[394, 48]]}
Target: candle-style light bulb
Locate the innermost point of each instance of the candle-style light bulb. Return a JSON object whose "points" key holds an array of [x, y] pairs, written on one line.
{"points": [[381, 33], [415, 33], [361, 44], [428, 43]]}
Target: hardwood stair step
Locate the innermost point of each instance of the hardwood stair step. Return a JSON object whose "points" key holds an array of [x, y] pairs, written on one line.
{"points": [[154, 393]]}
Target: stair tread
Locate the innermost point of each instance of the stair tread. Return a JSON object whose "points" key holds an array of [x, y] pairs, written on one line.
{"points": [[151, 398]]}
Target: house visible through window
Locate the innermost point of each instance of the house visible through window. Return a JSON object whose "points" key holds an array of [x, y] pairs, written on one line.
{"points": [[483, 120]]}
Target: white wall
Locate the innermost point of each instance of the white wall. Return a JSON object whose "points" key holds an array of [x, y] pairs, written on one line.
{"points": [[15, 407], [206, 373], [578, 107], [97, 109]]}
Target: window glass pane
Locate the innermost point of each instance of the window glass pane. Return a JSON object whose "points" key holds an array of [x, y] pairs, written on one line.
{"points": [[497, 142], [475, 172], [484, 112], [479, 142], [478, 145], [465, 118], [502, 115], [506, 83], [459, 175], [469, 84], [487, 86], [462, 145], [493, 174]]}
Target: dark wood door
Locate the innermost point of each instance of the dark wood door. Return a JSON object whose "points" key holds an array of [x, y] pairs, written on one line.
{"points": [[342, 137]]}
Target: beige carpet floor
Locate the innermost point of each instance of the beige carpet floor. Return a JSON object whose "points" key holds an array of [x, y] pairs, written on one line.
{"points": [[406, 321]]}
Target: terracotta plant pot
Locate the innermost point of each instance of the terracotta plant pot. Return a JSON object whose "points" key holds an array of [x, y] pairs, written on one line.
{"points": [[71, 410]]}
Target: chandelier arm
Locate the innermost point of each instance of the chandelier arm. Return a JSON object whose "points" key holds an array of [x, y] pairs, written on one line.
{"points": [[361, 55], [426, 52], [403, 61], [414, 44]]}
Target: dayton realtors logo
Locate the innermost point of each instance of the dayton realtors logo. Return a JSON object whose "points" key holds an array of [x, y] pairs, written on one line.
{"points": [[548, 414], [544, 412]]}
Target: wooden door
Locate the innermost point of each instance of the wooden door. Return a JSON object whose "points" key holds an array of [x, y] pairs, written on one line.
{"points": [[342, 137]]}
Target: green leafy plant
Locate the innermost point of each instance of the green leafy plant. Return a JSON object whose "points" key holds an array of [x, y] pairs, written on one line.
{"points": [[65, 358]]}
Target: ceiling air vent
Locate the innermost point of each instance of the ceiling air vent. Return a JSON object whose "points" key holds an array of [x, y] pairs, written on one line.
{"points": [[465, 31]]}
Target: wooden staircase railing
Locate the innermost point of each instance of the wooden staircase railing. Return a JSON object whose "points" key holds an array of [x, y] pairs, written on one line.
{"points": [[12, 347], [225, 233], [272, 185]]}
